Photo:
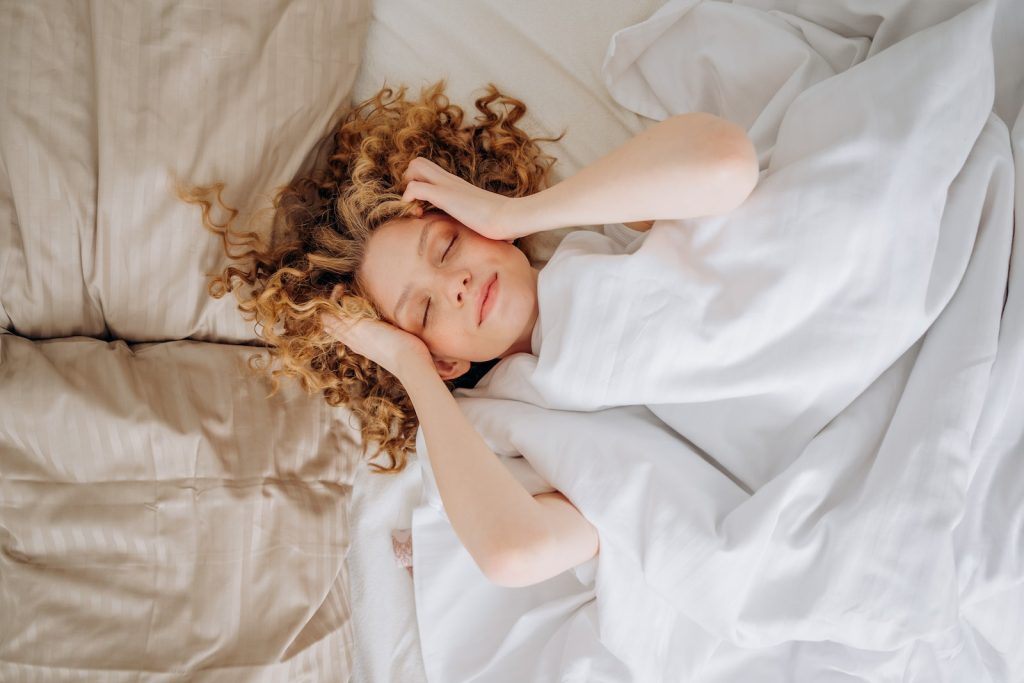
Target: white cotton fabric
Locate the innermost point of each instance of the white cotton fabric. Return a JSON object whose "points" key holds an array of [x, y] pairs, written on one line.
{"points": [[782, 311], [785, 422]]}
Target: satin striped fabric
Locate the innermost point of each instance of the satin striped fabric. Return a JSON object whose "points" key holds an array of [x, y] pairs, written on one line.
{"points": [[102, 102], [160, 518]]}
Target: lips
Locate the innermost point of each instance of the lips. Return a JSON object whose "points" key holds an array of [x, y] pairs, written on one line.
{"points": [[484, 296]]}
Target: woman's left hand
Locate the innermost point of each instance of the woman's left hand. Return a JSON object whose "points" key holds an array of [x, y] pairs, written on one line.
{"points": [[476, 208]]}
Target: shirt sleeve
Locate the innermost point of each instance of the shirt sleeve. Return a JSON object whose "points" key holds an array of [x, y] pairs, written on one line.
{"points": [[626, 237]]}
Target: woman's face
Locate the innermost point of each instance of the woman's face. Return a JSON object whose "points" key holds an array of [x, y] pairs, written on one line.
{"points": [[435, 268]]}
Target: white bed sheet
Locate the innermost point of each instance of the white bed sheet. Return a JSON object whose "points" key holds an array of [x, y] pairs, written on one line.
{"points": [[387, 642], [548, 54], [959, 623]]}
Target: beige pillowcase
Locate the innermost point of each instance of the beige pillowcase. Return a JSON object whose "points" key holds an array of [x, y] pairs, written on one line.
{"points": [[102, 102], [159, 514]]}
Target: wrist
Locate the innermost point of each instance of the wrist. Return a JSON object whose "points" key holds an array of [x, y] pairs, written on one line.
{"points": [[549, 209], [516, 218], [414, 369]]}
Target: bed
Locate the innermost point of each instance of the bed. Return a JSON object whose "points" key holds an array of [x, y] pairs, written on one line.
{"points": [[159, 517]]}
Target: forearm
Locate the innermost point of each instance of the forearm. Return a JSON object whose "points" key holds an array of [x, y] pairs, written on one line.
{"points": [[689, 165], [493, 515]]}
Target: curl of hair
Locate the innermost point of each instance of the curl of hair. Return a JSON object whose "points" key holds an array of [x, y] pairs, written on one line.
{"points": [[327, 215]]}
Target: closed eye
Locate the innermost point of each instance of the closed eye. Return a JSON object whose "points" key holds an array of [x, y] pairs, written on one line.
{"points": [[450, 245], [426, 310]]}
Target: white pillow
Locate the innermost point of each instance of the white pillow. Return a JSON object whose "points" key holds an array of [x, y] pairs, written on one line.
{"points": [[547, 54]]}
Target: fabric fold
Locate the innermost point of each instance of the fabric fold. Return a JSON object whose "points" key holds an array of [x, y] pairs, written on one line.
{"points": [[769, 415]]}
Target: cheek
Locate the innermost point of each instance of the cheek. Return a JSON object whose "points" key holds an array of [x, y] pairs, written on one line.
{"points": [[446, 338]]}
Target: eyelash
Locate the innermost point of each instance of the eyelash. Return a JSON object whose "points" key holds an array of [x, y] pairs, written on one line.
{"points": [[426, 310]]}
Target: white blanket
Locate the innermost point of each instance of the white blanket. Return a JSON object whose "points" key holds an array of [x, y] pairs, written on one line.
{"points": [[824, 481]]}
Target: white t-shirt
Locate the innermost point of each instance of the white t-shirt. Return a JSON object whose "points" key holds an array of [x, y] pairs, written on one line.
{"points": [[624, 240]]}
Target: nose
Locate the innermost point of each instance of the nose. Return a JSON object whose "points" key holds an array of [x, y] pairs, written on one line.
{"points": [[458, 288]]}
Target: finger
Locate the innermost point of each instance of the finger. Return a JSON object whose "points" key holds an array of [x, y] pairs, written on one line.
{"points": [[417, 207], [412, 171], [424, 169], [420, 190], [333, 325], [340, 323]]}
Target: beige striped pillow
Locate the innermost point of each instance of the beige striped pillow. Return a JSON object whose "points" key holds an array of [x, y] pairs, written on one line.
{"points": [[102, 102], [159, 514]]}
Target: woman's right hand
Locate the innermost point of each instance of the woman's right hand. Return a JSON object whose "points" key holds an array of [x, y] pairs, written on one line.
{"points": [[392, 348]]}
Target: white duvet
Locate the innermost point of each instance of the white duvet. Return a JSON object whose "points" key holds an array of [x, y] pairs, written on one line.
{"points": [[795, 426]]}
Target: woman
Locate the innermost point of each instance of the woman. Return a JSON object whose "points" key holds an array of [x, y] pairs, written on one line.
{"points": [[448, 287]]}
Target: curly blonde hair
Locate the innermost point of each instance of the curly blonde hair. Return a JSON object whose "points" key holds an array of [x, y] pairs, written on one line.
{"points": [[327, 215]]}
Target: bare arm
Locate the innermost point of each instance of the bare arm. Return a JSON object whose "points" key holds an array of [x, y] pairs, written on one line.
{"points": [[689, 165], [516, 539]]}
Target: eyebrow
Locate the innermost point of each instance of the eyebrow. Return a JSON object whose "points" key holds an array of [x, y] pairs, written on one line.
{"points": [[419, 251]]}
